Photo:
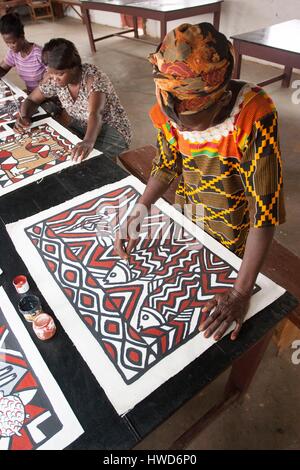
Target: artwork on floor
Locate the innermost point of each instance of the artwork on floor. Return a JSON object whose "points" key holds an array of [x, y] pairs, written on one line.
{"points": [[34, 414], [43, 150], [135, 325]]}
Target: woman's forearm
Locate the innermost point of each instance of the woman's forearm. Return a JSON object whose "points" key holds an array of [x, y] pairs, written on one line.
{"points": [[154, 190], [28, 108], [257, 245], [4, 68], [2, 72], [93, 127]]}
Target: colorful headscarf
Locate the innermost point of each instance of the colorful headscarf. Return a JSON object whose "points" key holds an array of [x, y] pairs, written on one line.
{"points": [[192, 68]]}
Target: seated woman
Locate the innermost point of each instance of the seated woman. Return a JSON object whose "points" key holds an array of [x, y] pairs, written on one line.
{"points": [[25, 56], [221, 137], [92, 109]]}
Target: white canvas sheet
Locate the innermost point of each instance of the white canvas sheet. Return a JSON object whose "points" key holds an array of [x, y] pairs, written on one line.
{"points": [[21, 167], [38, 424], [124, 384]]}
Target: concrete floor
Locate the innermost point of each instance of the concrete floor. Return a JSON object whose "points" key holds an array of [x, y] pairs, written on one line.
{"points": [[269, 416]]}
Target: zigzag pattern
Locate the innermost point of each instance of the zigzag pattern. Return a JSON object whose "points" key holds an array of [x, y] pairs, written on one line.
{"points": [[138, 314]]}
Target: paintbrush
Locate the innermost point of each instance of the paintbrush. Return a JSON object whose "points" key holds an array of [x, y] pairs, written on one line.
{"points": [[127, 262]]}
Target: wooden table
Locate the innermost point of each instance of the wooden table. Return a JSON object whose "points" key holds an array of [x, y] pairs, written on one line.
{"points": [[60, 7], [280, 262], [161, 10], [278, 43]]}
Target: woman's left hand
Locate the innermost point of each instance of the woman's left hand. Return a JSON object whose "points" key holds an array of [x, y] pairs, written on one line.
{"points": [[229, 307], [82, 150]]}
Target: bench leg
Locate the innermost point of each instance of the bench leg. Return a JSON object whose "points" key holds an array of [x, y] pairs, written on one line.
{"points": [[242, 373], [288, 75], [285, 333], [135, 25]]}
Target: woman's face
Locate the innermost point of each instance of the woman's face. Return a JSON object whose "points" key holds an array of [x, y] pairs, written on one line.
{"points": [[14, 43], [203, 119], [61, 77]]}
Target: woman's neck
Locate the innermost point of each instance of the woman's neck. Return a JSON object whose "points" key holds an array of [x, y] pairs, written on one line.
{"points": [[26, 48], [76, 79], [235, 87]]}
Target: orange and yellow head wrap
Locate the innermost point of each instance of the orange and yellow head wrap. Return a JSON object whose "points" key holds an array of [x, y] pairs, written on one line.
{"points": [[192, 68]]}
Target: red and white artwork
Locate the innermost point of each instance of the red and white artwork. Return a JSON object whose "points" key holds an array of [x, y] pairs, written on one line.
{"points": [[43, 150], [34, 414], [136, 325], [8, 89], [4, 128], [9, 111]]}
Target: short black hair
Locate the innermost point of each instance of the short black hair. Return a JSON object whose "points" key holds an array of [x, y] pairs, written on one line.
{"points": [[11, 24], [60, 54]]}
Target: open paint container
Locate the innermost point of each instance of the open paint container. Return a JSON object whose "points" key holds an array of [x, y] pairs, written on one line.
{"points": [[30, 306]]}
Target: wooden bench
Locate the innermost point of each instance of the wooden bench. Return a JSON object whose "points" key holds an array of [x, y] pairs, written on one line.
{"points": [[278, 43], [279, 264], [161, 10]]}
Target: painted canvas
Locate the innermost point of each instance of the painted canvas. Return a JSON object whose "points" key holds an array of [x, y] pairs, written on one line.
{"points": [[4, 128], [9, 110], [43, 150], [136, 325], [34, 413], [7, 89]]}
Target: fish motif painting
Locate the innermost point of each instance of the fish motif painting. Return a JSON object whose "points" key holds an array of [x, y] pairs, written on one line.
{"points": [[136, 323]]}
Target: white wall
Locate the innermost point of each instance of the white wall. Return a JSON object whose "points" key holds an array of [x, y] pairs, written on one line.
{"points": [[241, 16], [101, 17], [237, 16]]}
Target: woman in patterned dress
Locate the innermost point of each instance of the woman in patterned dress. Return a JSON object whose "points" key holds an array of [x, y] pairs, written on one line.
{"points": [[92, 108], [220, 138]]}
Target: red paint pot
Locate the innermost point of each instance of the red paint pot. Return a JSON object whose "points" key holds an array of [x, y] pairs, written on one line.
{"points": [[21, 284], [44, 326]]}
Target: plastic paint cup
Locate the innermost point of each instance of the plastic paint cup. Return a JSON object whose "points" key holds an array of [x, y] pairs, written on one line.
{"points": [[30, 307], [21, 284], [44, 326]]}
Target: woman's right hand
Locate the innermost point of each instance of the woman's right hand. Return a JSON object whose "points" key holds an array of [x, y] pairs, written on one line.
{"points": [[22, 125], [127, 236]]}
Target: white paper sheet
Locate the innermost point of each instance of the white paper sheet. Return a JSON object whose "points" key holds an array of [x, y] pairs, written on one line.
{"points": [[34, 413], [79, 270], [21, 167]]}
